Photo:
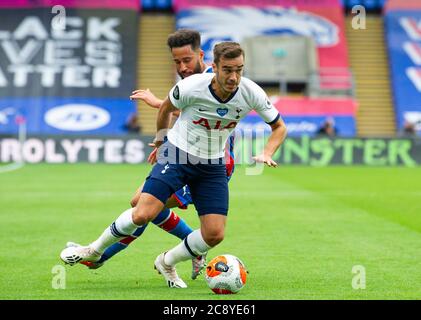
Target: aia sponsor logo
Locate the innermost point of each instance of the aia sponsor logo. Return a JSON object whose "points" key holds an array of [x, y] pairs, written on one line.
{"points": [[209, 125]]}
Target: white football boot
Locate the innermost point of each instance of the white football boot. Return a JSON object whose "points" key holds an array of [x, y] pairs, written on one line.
{"points": [[169, 273], [74, 254], [89, 264]]}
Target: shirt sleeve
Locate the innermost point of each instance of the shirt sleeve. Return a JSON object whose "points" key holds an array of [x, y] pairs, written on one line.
{"points": [[265, 108], [180, 95]]}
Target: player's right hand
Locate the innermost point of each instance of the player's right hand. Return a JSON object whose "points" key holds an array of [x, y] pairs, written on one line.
{"points": [[262, 158]]}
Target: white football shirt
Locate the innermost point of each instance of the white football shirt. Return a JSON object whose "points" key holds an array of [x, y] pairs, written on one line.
{"points": [[206, 122]]}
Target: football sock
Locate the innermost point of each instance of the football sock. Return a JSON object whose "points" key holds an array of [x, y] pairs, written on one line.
{"points": [[166, 219], [172, 223], [192, 246], [120, 228], [121, 245]]}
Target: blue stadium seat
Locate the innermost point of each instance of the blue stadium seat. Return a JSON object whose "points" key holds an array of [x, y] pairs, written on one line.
{"points": [[147, 4], [371, 4], [351, 3], [163, 4], [368, 4]]}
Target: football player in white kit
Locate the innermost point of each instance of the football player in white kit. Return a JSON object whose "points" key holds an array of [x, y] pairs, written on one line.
{"points": [[187, 55], [212, 105]]}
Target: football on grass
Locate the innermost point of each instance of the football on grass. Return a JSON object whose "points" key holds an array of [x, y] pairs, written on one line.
{"points": [[226, 274]]}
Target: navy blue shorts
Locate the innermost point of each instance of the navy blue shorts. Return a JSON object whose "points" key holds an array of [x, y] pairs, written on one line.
{"points": [[207, 181]]}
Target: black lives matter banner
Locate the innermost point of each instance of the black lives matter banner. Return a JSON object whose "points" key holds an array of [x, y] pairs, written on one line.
{"points": [[95, 56], [68, 78], [134, 149]]}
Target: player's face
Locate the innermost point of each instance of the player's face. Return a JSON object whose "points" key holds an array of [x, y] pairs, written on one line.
{"points": [[187, 61], [228, 73]]}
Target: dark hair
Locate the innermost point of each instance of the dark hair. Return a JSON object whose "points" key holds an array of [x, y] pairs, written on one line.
{"points": [[227, 50], [184, 37]]}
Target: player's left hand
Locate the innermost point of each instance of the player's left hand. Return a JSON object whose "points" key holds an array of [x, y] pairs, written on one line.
{"points": [[153, 154], [262, 158]]}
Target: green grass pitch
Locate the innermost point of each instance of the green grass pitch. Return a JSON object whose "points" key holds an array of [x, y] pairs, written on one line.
{"points": [[299, 230]]}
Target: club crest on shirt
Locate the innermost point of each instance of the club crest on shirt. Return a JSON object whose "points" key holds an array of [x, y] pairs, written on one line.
{"points": [[176, 93], [222, 111]]}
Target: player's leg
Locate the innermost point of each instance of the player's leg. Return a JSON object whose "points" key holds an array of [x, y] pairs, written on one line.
{"points": [[158, 187], [118, 246], [210, 234], [171, 202], [172, 223], [125, 225], [211, 200], [136, 196], [167, 220], [195, 244], [115, 248], [150, 204]]}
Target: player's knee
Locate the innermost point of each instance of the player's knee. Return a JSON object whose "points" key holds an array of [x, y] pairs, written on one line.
{"points": [[214, 237], [140, 217]]}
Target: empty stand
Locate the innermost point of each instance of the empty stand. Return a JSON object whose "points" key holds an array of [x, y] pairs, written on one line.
{"points": [[155, 66]]}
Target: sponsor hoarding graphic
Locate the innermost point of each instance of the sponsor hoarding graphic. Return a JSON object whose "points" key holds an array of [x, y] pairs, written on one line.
{"points": [[67, 115], [186, 4], [69, 80], [71, 150], [403, 32], [324, 106], [298, 125], [93, 57], [235, 21], [133, 149], [306, 115], [77, 117], [110, 4], [402, 5]]}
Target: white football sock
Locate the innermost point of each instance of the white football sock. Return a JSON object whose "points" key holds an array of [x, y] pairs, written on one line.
{"points": [[192, 246], [122, 227]]}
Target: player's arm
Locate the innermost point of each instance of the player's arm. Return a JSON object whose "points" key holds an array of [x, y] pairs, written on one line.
{"points": [[271, 116], [278, 135], [150, 99], [163, 120], [146, 96]]}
